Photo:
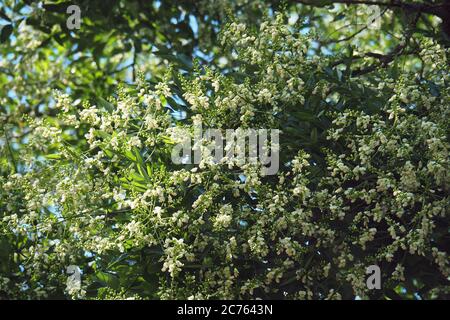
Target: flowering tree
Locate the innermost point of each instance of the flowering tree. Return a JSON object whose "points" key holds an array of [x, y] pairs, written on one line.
{"points": [[362, 179]]}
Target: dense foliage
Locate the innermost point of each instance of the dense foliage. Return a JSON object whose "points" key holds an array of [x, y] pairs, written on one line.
{"points": [[90, 118]]}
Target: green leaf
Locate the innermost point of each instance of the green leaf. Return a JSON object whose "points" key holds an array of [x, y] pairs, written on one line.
{"points": [[53, 156], [57, 7], [319, 3], [105, 104], [314, 135], [108, 279], [434, 89], [140, 164], [5, 32], [4, 16], [303, 116]]}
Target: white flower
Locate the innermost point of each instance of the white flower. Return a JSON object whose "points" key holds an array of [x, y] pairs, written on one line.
{"points": [[135, 142]]}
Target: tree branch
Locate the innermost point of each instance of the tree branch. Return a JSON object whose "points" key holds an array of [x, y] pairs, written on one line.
{"points": [[386, 59]]}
